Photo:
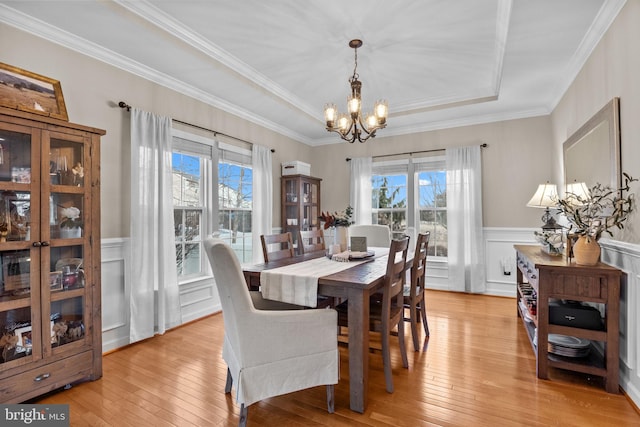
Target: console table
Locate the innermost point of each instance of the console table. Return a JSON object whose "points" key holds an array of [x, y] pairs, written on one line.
{"points": [[558, 277]]}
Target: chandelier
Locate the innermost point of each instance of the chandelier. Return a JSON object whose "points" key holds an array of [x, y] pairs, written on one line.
{"points": [[351, 126]]}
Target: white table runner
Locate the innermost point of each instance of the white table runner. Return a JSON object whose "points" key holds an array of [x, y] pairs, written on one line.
{"points": [[298, 283]]}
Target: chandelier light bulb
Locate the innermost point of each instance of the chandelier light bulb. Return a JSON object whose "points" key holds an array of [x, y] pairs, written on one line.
{"points": [[381, 110], [372, 120], [353, 105], [330, 114], [344, 123]]}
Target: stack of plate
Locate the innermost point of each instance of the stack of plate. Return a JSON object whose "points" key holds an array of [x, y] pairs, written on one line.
{"points": [[567, 346]]}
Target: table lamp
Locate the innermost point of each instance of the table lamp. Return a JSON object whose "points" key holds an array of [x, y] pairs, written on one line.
{"points": [[546, 197]]}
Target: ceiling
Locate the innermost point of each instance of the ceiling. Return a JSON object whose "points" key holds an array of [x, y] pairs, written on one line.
{"points": [[438, 63]]}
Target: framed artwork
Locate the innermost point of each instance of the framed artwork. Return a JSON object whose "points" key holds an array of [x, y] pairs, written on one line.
{"points": [[55, 281], [24, 337], [27, 91]]}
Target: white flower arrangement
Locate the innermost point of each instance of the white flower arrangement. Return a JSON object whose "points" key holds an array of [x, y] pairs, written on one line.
{"points": [[71, 217]]}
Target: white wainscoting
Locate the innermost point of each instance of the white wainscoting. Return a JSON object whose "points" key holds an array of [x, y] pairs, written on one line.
{"points": [[626, 257], [197, 298], [115, 293], [500, 258]]}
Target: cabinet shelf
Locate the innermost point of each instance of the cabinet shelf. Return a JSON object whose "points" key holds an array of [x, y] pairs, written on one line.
{"points": [[556, 277]]}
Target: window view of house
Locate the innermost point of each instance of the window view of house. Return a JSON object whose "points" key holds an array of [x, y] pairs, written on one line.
{"points": [[188, 213], [199, 202]]}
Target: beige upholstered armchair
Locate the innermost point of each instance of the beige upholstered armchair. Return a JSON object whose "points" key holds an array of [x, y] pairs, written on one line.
{"points": [[269, 353]]}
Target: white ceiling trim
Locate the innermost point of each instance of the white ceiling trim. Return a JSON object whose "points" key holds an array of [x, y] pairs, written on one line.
{"points": [[53, 34], [167, 23], [502, 32], [600, 25], [476, 97]]}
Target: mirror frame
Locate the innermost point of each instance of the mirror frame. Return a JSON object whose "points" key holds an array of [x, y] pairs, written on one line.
{"points": [[609, 113]]}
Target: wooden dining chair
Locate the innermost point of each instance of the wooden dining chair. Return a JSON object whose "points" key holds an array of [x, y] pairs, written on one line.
{"points": [[414, 289], [311, 241], [385, 313], [284, 246]]}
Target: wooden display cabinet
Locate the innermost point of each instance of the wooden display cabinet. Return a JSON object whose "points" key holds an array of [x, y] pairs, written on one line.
{"points": [[50, 315], [300, 195], [552, 277]]}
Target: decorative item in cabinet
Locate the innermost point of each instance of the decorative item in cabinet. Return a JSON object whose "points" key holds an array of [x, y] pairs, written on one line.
{"points": [[50, 308]]}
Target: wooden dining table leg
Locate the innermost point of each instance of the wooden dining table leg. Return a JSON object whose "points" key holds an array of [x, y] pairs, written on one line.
{"points": [[358, 307]]}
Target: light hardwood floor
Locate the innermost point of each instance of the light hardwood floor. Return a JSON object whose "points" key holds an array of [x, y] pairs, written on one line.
{"points": [[476, 369]]}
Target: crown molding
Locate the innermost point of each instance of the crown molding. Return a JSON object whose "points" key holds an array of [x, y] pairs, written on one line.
{"points": [[165, 22], [606, 15], [55, 35]]}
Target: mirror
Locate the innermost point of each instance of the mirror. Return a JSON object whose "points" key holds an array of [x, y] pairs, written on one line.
{"points": [[592, 154]]}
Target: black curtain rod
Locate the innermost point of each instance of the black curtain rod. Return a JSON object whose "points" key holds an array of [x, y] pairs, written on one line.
{"points": [[485, 145], [123, 104]]}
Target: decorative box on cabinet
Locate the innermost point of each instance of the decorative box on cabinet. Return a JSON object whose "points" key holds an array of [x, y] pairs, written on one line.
{"points": [[300, 195], [50, 315], [552, 277]]}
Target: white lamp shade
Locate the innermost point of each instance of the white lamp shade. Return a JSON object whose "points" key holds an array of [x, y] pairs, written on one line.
{"points": [[546, 196], [577, 193]]}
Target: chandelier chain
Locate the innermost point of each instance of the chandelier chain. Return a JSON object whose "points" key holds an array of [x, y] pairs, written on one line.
{"points": [[355, 67]]}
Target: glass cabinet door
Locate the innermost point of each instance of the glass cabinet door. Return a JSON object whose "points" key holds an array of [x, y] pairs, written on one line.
{"points": [[67, 208], [20, 338]]}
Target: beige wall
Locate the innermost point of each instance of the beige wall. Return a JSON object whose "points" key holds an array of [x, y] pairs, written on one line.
{"points": [[515, 162], [92, 90], [612, 70]]}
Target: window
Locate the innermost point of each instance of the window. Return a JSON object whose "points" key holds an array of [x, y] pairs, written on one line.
{"points": [[192, 209], [235, 200], [432, 209], [212, 192], [412, 193]]}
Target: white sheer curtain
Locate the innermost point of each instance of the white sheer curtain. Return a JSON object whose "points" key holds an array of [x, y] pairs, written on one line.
{"points": [[360, 189], [262, 216], [155, 304], [464, 219]]}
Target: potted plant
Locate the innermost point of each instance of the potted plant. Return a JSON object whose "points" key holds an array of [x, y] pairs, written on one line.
{"points": [[71, 224], [590, 215]]}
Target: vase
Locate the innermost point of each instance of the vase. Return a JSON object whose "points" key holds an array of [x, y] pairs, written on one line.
{"points": [[70, 233], [586, 251], [340, 238]]}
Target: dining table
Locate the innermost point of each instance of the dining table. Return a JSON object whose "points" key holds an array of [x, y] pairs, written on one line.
{"points": [[355, 284]]}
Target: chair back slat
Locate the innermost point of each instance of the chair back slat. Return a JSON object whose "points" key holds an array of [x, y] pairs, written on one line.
{"points": [[395, 278], [419, 266], [311, 241], [277, 246]]}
